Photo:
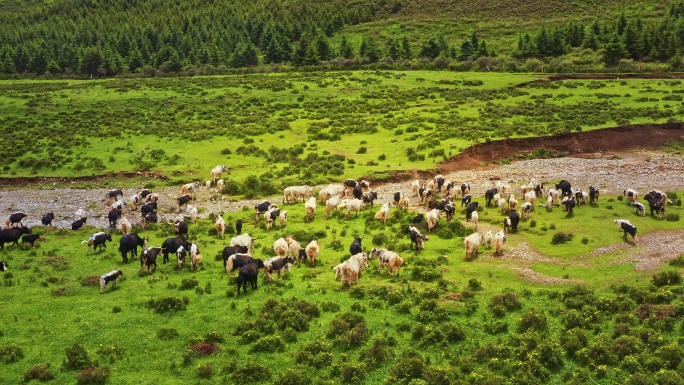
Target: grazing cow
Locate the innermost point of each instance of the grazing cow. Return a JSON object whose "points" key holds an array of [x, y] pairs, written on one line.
{"points": [[418, 219], [417, 239], [400, 201], [619, 222], [450, 210], [144, 194], [439, 205], [549, 203], [181, 253], [415, 186], [277, 264], [180, 228], [281, 247], [389, 259], [357, 192], [470, 209], [655, 204], [293, 193], [475, 218], [565, 187], [488, 238], [98, 239], [243, 240], [15, 219], [630, 229], [183, 200], [568, 205], [271, 215], [112, 194], [555, 196], [30, 238], [439, 182], [148, 208], [432, 217], [283, 218], [465, 189], [640, 208], [217, 171], [369, 197], [657, 194], [261, 208], [207, 184], [466, 199], [312, 250], [383, 213], [331, 204], [238, 227], [125, 226], [350, 205], [329, 192], [151, 217], [472, 243], [512, 202], [425, 193], [220, 226], [171, 245], [12, 235], [195, 256], [148, 259], [502, 205], [249, 273], [228, 251], [154, 198], [525, 210], [499, 241], [77, 224], [448, 188], [631, 195], [129, 244], [356, 247], [294, 248], [349, 270], [219, 185], [113, 216], [530, 197], [310, 208], [112, 277], [593, 195], [524, 189], [489, 196], [192, 212], [511, 222], [47, 219], [580, 197], [538, 189], [118, 205], [3, 266], [188, 188]]}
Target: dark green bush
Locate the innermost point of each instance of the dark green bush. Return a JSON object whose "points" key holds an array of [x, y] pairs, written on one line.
{"points": [[268, 344], [11, 353], [317, 354], [474, 284], [573, 340], [189, 283], [41, 373], [353, 373], [167, 333], [672, 217], [77, 357], [532, 320], [496, 327], [378, 353], [666, 278], [92, 376], [500, 304], [249, 373], [166, 305], [561, 237], [679, 261]]}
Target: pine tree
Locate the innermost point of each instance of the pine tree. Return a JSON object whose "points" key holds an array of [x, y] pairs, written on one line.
{"points": [[311, 57], [393, 49], [406, 49], [630, 38], [474, 42], [482, 49], [467, 51], [323, 48], [53, 67], [175, 62], [614, 50], [346, 50], [373, 50], [430, 49], [39, 61], [90, 61], [590, 40], [273, 51], [135, 60]]}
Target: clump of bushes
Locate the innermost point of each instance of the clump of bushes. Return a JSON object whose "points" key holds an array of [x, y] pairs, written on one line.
{"points": [[77, 357], [39, 372], [561, 237], [666, 278], [167, 333], [679, 261], [534, 320], [92, 376], [166, 304], [672, 217], [502, 303], [11, 353]]}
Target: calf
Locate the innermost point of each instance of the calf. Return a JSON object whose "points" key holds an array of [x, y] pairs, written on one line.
{"points": [[128, 244], [417, 239], [195, 256], [465, 189], [488, 238], [470, 209], [171, 245], [525, 209], [220, 226], [15, 219], [369, 197], [229, 251], [277, 264], [581, 197], [98, 239], [350, 205], [271, 216], [425, 193], [188, 188], [400, 201], [281, 247], [568, 205], [133, 202], [183, 200], [432, 217], [499, 241], [125, 225], [249, 273], [77, 224], [181, 253], [475, 218], [148, 258], [217, 171], [192, 212], [238, 227], [310, 208], [439, 182], [655, 204], [593, 195], [450, 210], [631, 195], [383, 214], [112, 277], [47, 219], [283, 218], [630, 229], [640, 208], [415, 186], [356, 247], [30, 238], [511, 222]]}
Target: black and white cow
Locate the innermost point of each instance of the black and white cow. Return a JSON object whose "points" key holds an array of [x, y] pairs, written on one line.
{"points": [[129, 244], [180, 228], [277, 264], [112, 276], [181, 254], [425, 193], [640, 208], [3, 266], [47, 219], [489, 195], [356, 247], [113, 194], [171, 245], [148, 208], [466, 200], [450, 210], [350, 183], [183, 200], [77, 224], [511, 222], [565, 187], [655, 204], [260, 208], [113, 216], [15, 219], [357, 192], [568, 205], [417, 239], [99, 239], [144, 194], [237, 261], [30, 238], [473, 206], [249, 273], [230, 250], [593, 195], [630, 229], [365, 185], [148, 258], [465, 189], [369, 197], [439, 182]]}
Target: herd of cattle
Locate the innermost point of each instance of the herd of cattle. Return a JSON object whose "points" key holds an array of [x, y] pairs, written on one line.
{"points": [[350, 196]]}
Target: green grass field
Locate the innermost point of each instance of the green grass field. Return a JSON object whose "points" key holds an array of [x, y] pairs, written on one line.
{"points": [[445, 320]]}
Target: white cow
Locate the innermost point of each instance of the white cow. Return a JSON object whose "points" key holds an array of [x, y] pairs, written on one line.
{"points": [[383, 213], [216, 171], [472, 243], [310, 207]]}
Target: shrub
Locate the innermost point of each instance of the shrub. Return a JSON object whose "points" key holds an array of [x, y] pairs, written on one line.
{"points": [[77, 357], [379, 239], [91, 375], [11, 353], [167, 333], [679, 261], [666, 278], [111, 353], [203, 348], [39, 372], [534, 320], [625, 345], [378, 353], [205, 370], [166, 304], [496, 327], [561, 237], [474, 284], [672, 217], [353, 372], [250, 373], [293, 376], [362, 150], [330, 306], [189, 283], [500, 304], [573, 340]]}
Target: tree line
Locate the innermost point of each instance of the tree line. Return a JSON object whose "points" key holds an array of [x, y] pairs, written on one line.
{"points": [[90, 37]]}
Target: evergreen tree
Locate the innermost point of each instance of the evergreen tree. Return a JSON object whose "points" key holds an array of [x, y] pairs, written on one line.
{"points": [[175, 62], [474, 42], [363, 48], [39, 61], [53, 67], [311, 57], [323, 48], [406, 49], [430, 49], [467, 51], [90, 61], [590, 40], [300, 52], [135, 60], [630, 38], [373, 51], [621, 24], [393, 49], [273, 51], [482, 49], [614, 50], [346, 50]]}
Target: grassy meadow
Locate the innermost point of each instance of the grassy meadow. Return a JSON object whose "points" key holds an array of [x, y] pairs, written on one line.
{"points": [[443, 321], [306, 127]]}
